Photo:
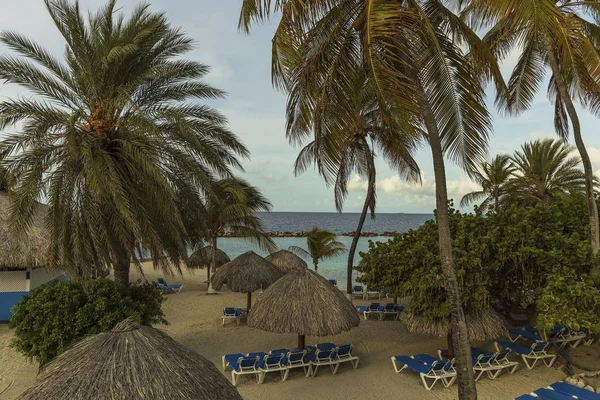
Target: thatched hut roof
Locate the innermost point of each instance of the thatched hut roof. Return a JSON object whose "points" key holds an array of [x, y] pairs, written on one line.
{"points": [[304, 303], [202, 258], [286, 260], [482, 325], [246, 273], [17, 252], [130, 362]]}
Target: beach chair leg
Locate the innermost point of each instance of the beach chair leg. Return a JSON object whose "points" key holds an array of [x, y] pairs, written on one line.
{"points": [[550, 361], [308, 371], [314, 370], [233, 378], [493, 373], [588, 342], [223, 362], [450, 381], [424, 379], [334, 368], [285, 375], [532, 365], [396, 366], [355, 363], [575, 343], [478, 373], [366, 315], [513, 339], [260, 377], [513, 369]]}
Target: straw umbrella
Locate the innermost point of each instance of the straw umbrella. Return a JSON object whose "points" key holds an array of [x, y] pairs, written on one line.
{"points": [[304, 303], [18, 252], [481, 325], [202, 258], [130, 362], [286, 261], [247, 273]]}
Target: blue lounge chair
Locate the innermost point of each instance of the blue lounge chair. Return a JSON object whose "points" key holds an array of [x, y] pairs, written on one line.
{"points": [[233, 313], [166, 288], [375, 292], [491, 363], [275, 361], [358, 290], [297, 358], [375, 309], [434, 371], [344, 354], [561, 391], [243, 364], [572, 390], [536, 352], [560, 336], [333, 282], [392, 309], [320, 358]]}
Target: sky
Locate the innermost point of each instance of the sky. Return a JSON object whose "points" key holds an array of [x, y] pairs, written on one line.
{"points": [[240, 65]]}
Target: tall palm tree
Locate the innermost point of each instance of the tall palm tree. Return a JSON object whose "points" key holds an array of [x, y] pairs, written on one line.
{"points": [[427, 67], [346, 146], [564, 36], [111, 137], [231, 207], [544, 168], [321, 244], [493, 178]]}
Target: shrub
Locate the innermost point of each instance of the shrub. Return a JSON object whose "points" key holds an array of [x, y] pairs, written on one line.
{"points": [[570, 300], [54, 316]]}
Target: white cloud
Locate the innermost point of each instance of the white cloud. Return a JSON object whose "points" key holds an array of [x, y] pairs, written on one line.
{"points": [[357, 184]]}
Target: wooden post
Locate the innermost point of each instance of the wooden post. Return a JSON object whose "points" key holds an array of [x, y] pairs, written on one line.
{"points": [[301, 342], [249, 303]]}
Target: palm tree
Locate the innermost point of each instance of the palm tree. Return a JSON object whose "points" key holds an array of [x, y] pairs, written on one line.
{"points": [[561, 36], [110, 137], [427, 67], [493, 178], [231, 207], [544, 168], [346, 146], [321, 244]]}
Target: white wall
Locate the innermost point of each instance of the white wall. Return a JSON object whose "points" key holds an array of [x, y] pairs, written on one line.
{"points": [[40, 276], [12, 281]]}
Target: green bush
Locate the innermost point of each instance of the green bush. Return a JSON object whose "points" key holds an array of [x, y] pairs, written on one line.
{"points": [[568, 299], [56, 315], [506, 257]]}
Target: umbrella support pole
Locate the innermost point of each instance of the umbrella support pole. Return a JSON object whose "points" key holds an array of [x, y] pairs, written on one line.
{"points": [[301, 342], [249, 302]]}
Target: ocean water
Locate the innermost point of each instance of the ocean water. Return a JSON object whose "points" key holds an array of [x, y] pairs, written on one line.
{"points": [[333, 268]]}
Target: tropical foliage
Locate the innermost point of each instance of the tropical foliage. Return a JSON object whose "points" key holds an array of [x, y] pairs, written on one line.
{"points": [[111, 137], [506, 259], [321, 244], [56, 315], [428, 70], [562, 36], [543, 169], [347, 144], [493, 177], [231, 206], [534, 174]]}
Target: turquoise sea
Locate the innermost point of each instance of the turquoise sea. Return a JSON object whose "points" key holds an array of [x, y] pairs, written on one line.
{"points": [[334, 268]]}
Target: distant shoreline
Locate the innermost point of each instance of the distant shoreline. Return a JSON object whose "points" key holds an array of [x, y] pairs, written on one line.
{"points": [[283, 234]]}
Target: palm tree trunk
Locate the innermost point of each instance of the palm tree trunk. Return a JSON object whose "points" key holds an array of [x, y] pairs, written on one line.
{"points": [[121, 266], [212, 266], [316, 264], [585, 158], [466, 380], [361, 222]]}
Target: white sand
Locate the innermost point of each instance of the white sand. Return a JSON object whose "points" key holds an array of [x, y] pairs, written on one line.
{"points": [[194, 322]]}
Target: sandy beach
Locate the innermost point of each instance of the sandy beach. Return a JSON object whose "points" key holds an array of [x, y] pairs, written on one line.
{"points": [[195, 322]]}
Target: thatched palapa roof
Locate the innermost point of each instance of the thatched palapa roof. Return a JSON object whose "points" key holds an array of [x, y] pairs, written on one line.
{"points": [[130, 362], [202, 258], [305, 303], [286, 260], [481, 325], [247, 273], [17, 252]]}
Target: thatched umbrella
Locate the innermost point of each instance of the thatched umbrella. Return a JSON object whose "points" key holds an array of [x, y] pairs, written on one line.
{"points": [[481, 325], [130, 362], [202, 258], [286, 260], [304, 303], [18, 252], [247, 273]]}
